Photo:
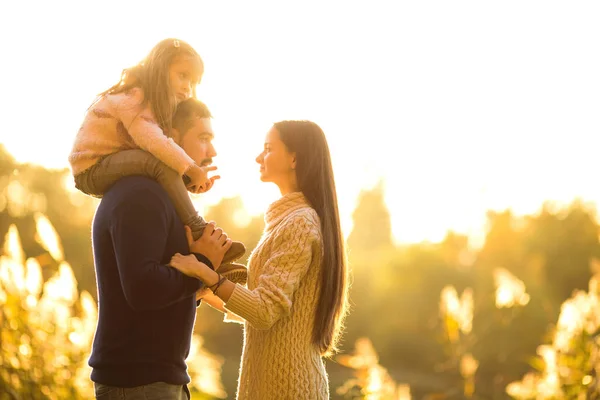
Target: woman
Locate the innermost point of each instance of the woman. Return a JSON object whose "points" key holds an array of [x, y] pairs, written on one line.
{"points": [[296, 297]]}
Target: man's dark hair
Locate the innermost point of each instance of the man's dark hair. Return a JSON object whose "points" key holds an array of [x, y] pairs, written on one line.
{"points": [[188, 111]]}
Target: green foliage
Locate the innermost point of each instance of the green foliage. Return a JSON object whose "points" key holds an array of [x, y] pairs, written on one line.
{"points": [[395, 293], [46, 329]]}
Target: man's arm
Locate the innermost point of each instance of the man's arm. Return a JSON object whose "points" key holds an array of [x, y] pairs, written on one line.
{"points": [[139, 232]]}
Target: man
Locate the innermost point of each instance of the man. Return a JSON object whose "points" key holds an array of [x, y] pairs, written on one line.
{"points": [[146, 308]]}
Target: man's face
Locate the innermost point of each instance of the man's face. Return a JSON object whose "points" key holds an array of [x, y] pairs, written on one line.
{"points": [[197, 142]]}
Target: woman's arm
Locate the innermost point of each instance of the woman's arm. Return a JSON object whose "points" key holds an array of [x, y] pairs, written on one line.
{"points": [[281, 276], [190, 266], [214, 301]]}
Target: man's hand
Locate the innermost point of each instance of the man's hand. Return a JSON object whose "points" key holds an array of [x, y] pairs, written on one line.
{"points": [[213, 243]]}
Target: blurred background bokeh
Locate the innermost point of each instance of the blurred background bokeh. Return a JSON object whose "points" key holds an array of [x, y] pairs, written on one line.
{"points": [[462, 136]]}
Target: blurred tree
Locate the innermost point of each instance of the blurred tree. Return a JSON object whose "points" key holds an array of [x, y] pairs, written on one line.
{"points": [[372, 229], [226, 338], [231, 215], [564, 241], [27, 189], [395, 293]]}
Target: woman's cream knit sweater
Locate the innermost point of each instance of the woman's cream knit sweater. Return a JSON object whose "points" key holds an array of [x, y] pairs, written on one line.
{"points": [[279, 361]]}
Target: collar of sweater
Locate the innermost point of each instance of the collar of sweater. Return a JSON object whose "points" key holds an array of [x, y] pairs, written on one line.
{"points": [[283, 207]]}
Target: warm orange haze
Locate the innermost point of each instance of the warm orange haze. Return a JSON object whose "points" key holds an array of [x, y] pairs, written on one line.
{"points": [[463, 142]]}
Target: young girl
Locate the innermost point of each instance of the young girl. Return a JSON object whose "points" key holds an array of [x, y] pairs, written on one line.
{"points": [[126, 132], [297, 288]]}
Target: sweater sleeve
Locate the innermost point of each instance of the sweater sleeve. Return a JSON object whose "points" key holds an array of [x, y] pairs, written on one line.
{"points": [[145, 132], [282, 274], [139, 235]]}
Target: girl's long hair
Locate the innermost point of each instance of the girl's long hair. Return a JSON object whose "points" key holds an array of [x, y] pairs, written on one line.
{"points": [[315, 179], [152, 76]]}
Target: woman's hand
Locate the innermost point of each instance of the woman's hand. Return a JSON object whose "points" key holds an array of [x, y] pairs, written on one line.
{"points": [[212, 300], [189, 266]]}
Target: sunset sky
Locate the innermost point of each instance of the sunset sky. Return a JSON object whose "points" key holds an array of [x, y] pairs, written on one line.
{"points": [[459, 106]]}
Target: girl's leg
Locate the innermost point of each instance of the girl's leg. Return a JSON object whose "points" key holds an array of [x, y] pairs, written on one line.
{"points": [[102, 176], [98, 179]]}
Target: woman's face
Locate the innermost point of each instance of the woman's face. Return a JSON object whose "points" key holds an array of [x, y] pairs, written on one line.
{"points": [[277, 163]]}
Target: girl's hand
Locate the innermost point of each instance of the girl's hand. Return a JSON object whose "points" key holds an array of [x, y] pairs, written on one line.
{"points": [[199, 180], [209, 184]]}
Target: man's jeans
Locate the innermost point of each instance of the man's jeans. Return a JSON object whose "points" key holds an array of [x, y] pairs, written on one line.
{"points": [[153, 391]]}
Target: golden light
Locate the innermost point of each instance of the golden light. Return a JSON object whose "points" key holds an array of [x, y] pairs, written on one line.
{"points": [[3, 296], [12, 275], [403, 392], [468, 365], [459, 309], [570, 316], [364, 355], [510, 290], [63, 285], [205, 369], [55, 333], [548, 353], [25, 350], [68, 183], [78, 336], [33, 277], [12, 245], [89, 312], [450, 303], [375, 382], [47, 237], [241, 218], [578, 313], [525, 389], [16, 199], [374, 379]]}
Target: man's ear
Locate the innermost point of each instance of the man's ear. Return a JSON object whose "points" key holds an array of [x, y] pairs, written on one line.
{"points": [[294, 161]]}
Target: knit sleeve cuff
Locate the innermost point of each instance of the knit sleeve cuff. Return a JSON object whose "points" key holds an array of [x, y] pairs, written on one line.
{"points": [[233, 318], [242, 303]]}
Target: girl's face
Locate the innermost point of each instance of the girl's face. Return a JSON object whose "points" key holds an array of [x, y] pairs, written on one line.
{"points": [[182, 79], [277, 163]]}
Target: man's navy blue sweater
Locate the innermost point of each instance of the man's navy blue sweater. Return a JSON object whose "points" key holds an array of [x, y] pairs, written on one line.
{"points": [[146, 308]]}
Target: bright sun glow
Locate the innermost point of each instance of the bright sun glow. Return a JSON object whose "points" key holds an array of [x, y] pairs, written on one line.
{"points": [[459, 107]]}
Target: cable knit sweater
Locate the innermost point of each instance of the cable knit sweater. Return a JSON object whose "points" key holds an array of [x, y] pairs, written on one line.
{"points": [[279, 361], [118, 122]]}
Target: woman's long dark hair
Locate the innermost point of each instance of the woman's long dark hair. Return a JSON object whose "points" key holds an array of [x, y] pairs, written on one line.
{"points": [[152, 76], [315, 180]]}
